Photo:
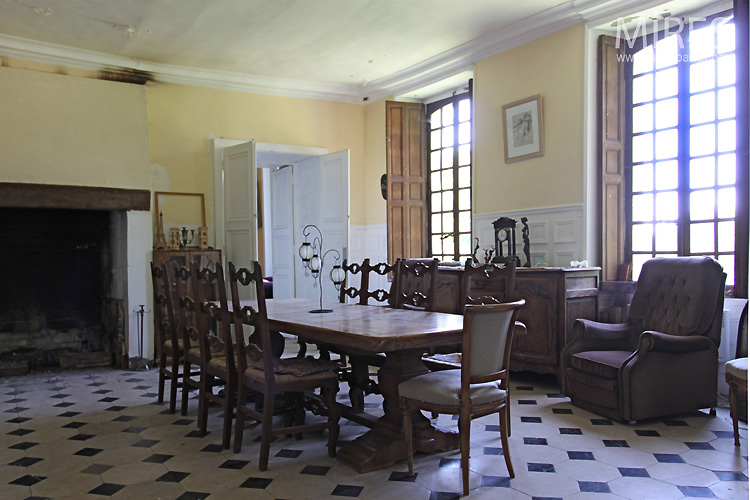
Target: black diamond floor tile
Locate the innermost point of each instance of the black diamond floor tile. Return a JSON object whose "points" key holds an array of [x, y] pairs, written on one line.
{"points": [[27, 480], [96, 469], [403, 477], [106, 489], [315, 470], [145, 443], [647, 433], [193, 495], [496, 481], [173, 477], [63, 405], [581, 455], [81, 437], [535, 467], [289, 453], [633, 472], [20, 432], [18, 420], [615, 443], [696, 491], [69, 414], [343, 490], [74, 425], [124, 418], [157, 458], [213, 448], [25, 461], [234, 464], [593, 487], [88, 452], [23, 446]]}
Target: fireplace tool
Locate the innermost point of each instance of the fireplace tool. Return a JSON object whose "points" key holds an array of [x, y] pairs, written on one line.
{"points": [[140, 364]]}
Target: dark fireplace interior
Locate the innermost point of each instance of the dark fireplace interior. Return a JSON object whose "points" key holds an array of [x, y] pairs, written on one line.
{"points": [[55, 309]]}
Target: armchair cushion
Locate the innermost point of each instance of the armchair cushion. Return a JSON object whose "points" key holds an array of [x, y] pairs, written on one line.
{"points": [[604, 364]]}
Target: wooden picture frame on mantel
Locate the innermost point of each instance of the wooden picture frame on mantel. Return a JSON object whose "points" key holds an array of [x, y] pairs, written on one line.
{"points": [[523, 129], [181, 212]]}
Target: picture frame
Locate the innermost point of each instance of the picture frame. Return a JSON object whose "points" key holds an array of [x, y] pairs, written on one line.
{"points": [[523, 129]]}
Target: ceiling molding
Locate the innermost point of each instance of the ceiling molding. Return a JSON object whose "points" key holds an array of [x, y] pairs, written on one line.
{"points": [[420, 75]]}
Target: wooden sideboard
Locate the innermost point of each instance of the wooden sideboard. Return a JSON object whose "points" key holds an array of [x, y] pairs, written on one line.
{"points": [[555, 298]]}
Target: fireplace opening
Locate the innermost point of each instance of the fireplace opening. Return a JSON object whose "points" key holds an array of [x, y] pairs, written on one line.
{"points": [[56, 308]]}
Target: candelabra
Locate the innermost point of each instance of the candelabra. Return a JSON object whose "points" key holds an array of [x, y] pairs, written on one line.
{"points": [[313, 258]]}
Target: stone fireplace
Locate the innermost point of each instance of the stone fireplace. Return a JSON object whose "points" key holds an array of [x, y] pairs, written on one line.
{"points": [[65, 296]]}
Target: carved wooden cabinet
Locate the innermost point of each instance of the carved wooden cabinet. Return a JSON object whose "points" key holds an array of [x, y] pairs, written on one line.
{"points": [[555, 298]]}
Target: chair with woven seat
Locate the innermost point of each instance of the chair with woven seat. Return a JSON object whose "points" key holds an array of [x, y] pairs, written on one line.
{"points": [[735, 372], [171, 353], [664, 359], [216, 347], [478, 388], [260, 371]]}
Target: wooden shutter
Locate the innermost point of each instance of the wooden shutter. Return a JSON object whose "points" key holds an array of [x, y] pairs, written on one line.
{"points": [[741, 14], [407, 191], [611, 167]]}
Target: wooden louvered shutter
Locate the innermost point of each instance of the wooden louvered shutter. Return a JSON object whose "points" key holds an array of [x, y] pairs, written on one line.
{"points": [[407, 192]]}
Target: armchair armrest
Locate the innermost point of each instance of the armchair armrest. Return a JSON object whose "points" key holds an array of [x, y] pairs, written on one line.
{"points": [[661, 342], [591, 335]]}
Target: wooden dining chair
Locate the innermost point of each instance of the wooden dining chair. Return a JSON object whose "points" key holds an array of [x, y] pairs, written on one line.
{"points": [[478, 388], [171, 353], [260, 371], [415, 284], [216, 348]]}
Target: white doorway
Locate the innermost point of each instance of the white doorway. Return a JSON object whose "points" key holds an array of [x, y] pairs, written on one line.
{"points": [[301, 186]]}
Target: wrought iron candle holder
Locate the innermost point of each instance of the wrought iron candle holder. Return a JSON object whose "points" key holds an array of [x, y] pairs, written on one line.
{"points": [[313, 258]]}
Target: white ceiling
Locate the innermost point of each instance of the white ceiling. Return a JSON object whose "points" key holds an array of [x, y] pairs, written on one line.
{"points": [[348, 50]]}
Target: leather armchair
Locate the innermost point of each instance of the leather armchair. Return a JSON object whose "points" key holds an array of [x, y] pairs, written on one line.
{"points": [[664, 359]]}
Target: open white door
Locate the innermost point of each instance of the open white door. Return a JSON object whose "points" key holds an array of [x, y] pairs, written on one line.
{"points": [[321, 197], [284, 256], [240, 205]]}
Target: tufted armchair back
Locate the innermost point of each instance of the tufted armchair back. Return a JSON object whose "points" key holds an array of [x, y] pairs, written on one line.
{"points": [[679, 296]]}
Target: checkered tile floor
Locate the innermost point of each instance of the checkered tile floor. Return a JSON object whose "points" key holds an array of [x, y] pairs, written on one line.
{"points": [[99, 433]]}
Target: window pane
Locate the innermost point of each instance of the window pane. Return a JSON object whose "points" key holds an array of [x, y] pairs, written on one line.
{"points": [[464, 110], [703, 140], [726, 236], [702, 108], [437, 245], [435, 204], [727, 170], [725, 38], [727, 262], [727, 70], [667, 175], [643, 118], [666, 83], [667, 113], [447, 158], [702, 173], [435, 160], [702, 238], [666, 144], [435, 181], [643, 237], [464, 154], [727, 203], [448, 114], [702, 204], [643, 60], [435, 120], [702, 43], [464, 244], [643, 177], [447, 136], [666, 51], [667, 206], [447, 223], [727, 103], [727, 136], [464, 133], [447, 201], [643, 148], [464, 199], [464, 222], [437, 227], [643, 207], [435, 139], [702, 76], [638, 261], [464, 177], [447, 179], [643, 88], [666, 237]]}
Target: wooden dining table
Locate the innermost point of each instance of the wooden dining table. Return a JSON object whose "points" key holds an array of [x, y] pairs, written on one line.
{"points": [[403, 336]]}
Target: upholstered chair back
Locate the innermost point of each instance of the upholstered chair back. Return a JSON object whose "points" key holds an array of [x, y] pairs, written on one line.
{"points": [[679, 296], [489, 332]]}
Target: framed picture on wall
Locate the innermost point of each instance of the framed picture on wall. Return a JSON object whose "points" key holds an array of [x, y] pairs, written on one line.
{"points": [[523, 130]]}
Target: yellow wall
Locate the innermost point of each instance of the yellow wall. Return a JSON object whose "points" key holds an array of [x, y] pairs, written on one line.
{"points": [[57, 129], [552, 66], [184, 119], [374, 204]]}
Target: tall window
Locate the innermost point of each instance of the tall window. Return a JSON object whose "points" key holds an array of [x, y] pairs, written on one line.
{"points": [[449, 182], [683, 148]]}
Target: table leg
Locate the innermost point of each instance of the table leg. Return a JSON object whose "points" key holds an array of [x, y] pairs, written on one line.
{"points": [[384, 444]]}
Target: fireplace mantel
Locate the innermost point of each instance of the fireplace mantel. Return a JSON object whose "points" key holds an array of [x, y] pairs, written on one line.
{"points": [[21, 195]]}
